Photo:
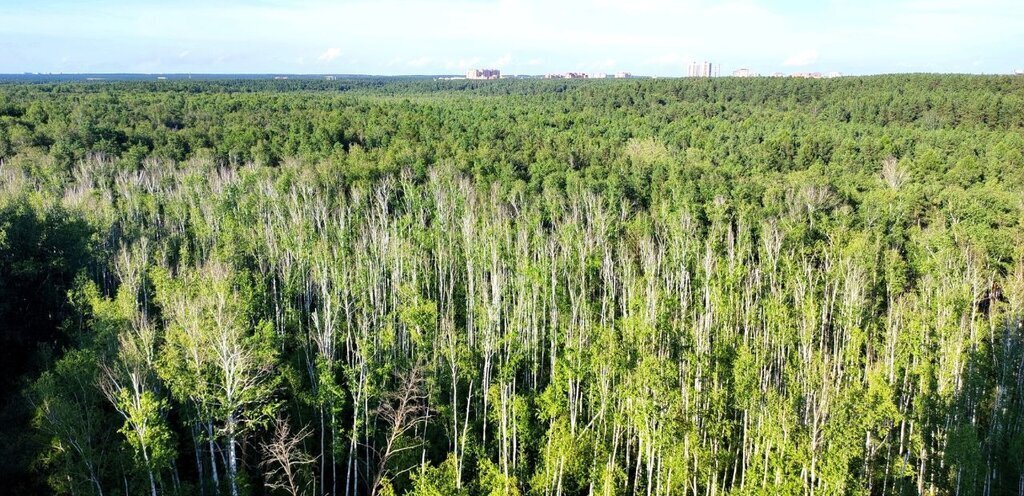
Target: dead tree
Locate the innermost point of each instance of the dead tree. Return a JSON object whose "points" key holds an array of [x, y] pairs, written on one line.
{"points": [[399, 413], [284, 460]]}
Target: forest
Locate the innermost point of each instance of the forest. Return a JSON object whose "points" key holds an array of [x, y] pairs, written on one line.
{"points": [[386, 286]]}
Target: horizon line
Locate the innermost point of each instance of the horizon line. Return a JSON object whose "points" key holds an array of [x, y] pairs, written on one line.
{"points": [[1016, 72]]}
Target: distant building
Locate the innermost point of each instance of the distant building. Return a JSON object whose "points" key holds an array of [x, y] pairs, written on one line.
{"points": [[483, 74], [817, 75], [567, 75], [704, 69], [1019, 72], [623, 75], [330, 78], [743, 73], [597, 75]]}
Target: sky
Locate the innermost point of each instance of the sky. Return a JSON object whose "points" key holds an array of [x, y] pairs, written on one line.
{"points": [[395, 37]]}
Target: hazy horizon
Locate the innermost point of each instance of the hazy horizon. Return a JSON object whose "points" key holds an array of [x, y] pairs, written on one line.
{"points": [[317, 75], [403, 37]]}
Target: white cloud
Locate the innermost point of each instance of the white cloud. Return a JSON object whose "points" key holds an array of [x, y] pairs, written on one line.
{"points": [[329, 54], [462, 64], [644, 6], [419, 62], [502, 61], [802, 58], [668, 59]]}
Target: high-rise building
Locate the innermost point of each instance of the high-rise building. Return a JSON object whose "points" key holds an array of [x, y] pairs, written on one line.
{"points": [[704, 69], [483, 74]]}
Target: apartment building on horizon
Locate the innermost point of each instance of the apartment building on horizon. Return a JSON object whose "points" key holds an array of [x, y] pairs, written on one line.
{"points": [[567, 75], [483, 74], [704, 69]]}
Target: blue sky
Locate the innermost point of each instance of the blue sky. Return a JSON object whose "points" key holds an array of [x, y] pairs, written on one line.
{"points": [[652, 37]]}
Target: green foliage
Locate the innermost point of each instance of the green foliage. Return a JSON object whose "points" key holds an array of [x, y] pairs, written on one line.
{"points": [[493, 482], [437, 481], [69, 410], [761, 286], [157, 438]]}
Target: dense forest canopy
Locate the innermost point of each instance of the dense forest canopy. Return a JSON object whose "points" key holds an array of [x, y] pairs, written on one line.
{"points": [[397, 286]]}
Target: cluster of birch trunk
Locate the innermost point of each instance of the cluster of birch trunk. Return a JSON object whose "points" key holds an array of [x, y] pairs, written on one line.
{"points": [[261, 330]]}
